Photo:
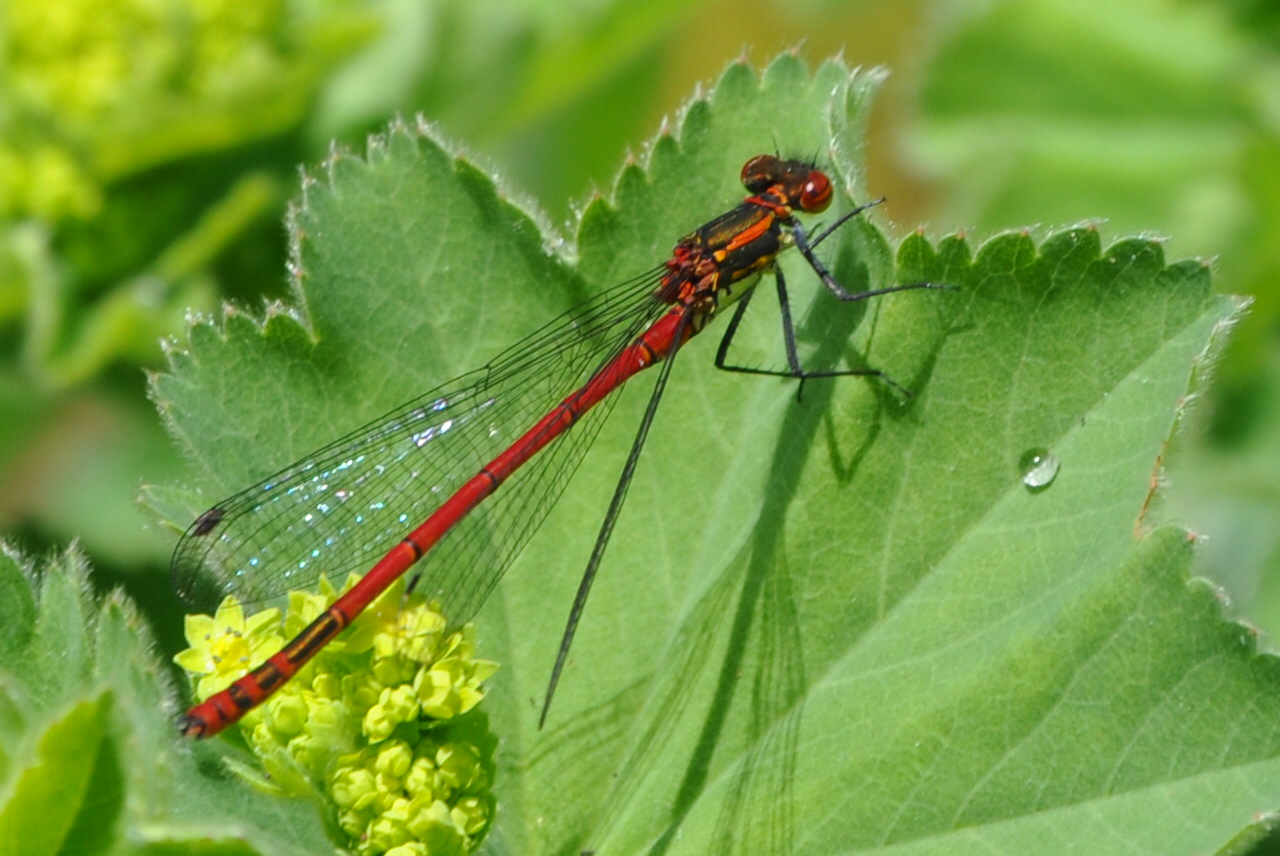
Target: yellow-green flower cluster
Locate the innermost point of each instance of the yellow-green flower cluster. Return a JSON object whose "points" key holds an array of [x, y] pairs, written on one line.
{"points": [[375, 720], [97, 89]]}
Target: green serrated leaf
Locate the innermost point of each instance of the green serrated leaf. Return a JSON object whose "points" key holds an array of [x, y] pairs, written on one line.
{"points": [[89, 753], [43, 802], [17, 609], [56, 662], [829, 624]]}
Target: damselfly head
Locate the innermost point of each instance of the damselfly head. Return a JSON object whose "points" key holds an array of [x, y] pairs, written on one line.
{"points": [[795, 183]]}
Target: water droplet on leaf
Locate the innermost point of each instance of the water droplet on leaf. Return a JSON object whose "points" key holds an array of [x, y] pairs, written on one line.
{"points": [[1038, 468]]}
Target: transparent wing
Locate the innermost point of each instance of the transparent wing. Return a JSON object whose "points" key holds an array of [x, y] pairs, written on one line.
{"points": [[339, 509]]}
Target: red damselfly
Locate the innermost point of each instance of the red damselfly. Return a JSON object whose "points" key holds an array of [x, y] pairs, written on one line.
{"points": [[434, 462]]}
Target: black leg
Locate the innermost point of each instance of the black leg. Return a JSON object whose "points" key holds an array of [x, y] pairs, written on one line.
{"points": [[806, 246], [794, 370], [606, 527]]}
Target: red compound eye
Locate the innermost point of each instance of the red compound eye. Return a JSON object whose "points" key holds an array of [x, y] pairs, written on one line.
{"points": [[815, 195]]}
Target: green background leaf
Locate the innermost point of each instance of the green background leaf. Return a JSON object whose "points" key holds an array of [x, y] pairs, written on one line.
{"points": [[839, 623], [89, 762]]}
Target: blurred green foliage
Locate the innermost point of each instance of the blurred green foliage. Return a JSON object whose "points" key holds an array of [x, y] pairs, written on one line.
{"points": [[147, 151]]}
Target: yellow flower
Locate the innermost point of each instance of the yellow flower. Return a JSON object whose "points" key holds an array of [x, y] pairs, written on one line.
{"points": [[374, 720], [225, 646]]}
